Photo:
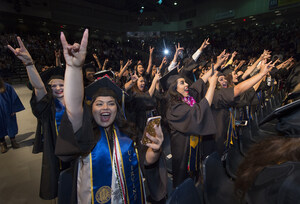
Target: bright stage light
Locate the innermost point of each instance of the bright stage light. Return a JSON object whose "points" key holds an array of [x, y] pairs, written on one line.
{"points": [[166, 51]]}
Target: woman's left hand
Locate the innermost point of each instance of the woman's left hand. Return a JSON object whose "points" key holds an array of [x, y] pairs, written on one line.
{"points": [[156, 141], [75, 54]]}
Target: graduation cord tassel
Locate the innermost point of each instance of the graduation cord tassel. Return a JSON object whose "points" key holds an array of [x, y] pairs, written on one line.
{"points": [[231, 132], [123, 104]]}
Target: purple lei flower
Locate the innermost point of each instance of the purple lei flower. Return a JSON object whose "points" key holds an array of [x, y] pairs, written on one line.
{"points": [[189, 100]]}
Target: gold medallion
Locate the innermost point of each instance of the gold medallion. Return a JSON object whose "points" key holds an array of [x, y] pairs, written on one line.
{"points": [[103, 195]]}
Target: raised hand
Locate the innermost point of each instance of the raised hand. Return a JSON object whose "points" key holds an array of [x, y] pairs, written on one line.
{"points": [[156, 141], [178, 49], [204, 44], [151, 49], [128, 63], [75, 54], [22, 53], [95, 56], [265, 67], [234, 54], [57, 53], [164, 60], [213, 79], [134, 77]]}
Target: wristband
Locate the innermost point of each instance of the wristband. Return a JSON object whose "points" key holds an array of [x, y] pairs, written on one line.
{"points": [[28, 64]]}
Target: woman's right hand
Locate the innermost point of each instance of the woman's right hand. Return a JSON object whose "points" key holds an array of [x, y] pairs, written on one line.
{"points": [[22, 53], [213, 79]]}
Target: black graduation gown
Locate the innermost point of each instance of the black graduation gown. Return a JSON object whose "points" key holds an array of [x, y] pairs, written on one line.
{"points": [[276, 184], [140, 106], [222, 101], [70, 146], [44, 110], [185, 121]]}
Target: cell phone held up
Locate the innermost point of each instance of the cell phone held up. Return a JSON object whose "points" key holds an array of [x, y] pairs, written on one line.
{"points": [[151, 123]]}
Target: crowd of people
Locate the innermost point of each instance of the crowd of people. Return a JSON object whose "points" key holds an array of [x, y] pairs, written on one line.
{"points": [[92, 116]]}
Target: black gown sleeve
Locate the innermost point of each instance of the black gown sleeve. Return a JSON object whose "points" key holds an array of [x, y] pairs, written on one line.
{"points": [[196, 120], [70, 145], [223, 98]]}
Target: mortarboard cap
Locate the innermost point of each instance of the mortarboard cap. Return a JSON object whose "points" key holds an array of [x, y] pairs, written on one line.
{"points": [[289, 119], [89, 67], [105, 73], [104, 82], [52, 73], [168, 78]]}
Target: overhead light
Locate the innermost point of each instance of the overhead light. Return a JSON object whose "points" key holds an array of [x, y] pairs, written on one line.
{"points": [[229, 21], [253, 19], [278, 14], [143, 7], [166, 51], [250, 16], [233, 23], [277, 11], [175, 3]]}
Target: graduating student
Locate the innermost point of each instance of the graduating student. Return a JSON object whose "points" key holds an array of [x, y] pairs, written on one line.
{"points": [[47, 105], [101, 143], [10, 104], [226, 98], [189, 117]]}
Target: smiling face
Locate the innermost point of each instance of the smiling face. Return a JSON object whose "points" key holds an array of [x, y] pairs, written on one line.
{"points": [[104, 111], [57, 86], [89, 75], [140, 69], [141, 83], [234, 77], [223, 82], [182, 87]]}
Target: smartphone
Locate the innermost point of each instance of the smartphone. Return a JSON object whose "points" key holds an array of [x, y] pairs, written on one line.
{"points": [[151, 123], [241, 122]]}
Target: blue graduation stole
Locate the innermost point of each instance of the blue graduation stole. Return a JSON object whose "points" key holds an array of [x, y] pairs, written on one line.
{"points": [[101, 161], [59, 111]]}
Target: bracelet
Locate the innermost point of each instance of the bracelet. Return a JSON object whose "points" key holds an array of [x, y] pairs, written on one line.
{"points": [[28, 64]]}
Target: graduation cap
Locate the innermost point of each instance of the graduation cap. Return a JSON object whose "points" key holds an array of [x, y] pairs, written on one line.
{"points": [[289, 119], [104, 82], [89, 67], [52, 73], [168, 78], [105, 73], [225, 71], [189, 64], [106, 87]]}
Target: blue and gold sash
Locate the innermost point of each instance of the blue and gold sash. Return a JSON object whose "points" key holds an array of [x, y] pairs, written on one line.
{"points": [[101, 161], [193, 154]]}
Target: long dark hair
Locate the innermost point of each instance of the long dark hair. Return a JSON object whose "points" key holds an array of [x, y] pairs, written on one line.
{"points": [[268, 152], [2, 85], [173, 95]]}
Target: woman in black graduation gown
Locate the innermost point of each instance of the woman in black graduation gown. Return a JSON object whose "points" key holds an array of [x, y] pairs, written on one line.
{"points": [[48, 107], [100, 142], [226, 98], [270, 172], [143, 102], [189, 116]]}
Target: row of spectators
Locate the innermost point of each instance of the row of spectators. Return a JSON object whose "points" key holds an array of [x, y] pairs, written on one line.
{"points": [[283, 40]]}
